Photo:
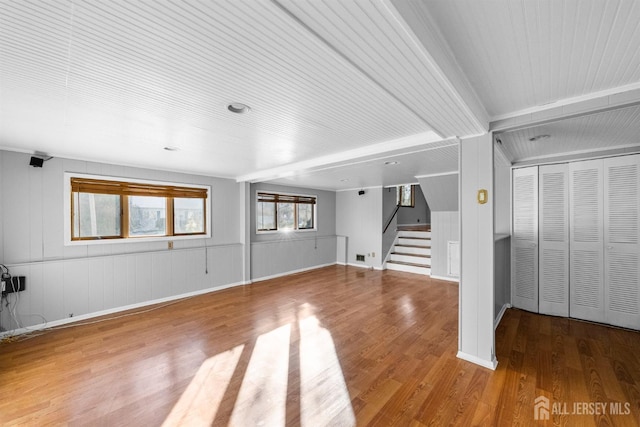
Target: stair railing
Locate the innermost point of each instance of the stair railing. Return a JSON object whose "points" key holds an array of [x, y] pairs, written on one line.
{"points": [[395, 212]]}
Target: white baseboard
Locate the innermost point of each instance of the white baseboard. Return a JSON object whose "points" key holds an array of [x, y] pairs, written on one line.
{"points": [[367, 267], [287, 273], [100, 313], [490, 364], [447, 278], [500, 314]]}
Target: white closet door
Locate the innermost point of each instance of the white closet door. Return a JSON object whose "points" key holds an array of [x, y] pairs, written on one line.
{"points": [[622, 241], [554, 239], [524, 247], [586, 270]]}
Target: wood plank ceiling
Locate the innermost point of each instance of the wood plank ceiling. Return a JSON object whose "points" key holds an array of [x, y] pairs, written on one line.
{"points": [[524, 54], [329, 83], [119, 81]]}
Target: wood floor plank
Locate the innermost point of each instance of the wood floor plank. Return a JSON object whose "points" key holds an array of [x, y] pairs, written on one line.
{"points": [[363, 348]]}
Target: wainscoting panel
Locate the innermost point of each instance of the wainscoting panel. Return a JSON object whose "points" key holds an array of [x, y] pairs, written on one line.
{"points": [[57, 289], [278, 257]]}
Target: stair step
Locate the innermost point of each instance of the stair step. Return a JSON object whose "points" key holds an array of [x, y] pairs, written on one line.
{"points": [[409, 267], [414, 241], [412, 250], [415, 227], [415, 234], [405, 263], [410, 254], [408, 259]]}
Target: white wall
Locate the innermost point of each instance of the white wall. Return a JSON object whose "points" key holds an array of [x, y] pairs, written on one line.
{"points": [[502, 277], [445, 227], [502, 226], [1, 212], [85, 279], [276, 254], [502, 194], [388, 208], [360, 219], [419, 214], [440, 191]]}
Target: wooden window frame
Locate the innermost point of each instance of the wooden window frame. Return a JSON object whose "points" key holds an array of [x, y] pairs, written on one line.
{"points": [[126, 188], [413, 196], [295, 199]]}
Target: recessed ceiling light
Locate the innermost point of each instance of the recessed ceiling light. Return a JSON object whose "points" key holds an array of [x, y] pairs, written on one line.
{"points": [[344, 180], [171, 148], [390, 163], [238, 108], [539, 137]]}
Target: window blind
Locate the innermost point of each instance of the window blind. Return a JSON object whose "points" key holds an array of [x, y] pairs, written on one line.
{"points": [[284, 198], [98, 186]]}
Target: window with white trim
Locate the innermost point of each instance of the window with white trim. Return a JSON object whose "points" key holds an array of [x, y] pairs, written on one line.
{"points": [[115, 209], [285, 212]]}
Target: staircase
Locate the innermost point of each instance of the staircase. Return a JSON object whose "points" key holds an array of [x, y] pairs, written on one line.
{"points": [[411, 252]]}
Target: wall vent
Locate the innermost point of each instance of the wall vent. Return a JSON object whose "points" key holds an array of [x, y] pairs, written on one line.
{"points": [[359, 257]]}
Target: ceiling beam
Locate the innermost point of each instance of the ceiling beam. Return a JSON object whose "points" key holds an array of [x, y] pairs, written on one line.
{"points": [[596, 102], [423, 30], [386, 148], [361, 70]]}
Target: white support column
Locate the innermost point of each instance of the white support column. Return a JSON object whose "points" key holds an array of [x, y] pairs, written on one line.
{"points": [[245, 230], [476, 328]]}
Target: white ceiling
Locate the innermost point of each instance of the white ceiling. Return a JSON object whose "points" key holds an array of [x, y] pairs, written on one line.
{"points": [[522, 54], [335, 87], [582, 136]]}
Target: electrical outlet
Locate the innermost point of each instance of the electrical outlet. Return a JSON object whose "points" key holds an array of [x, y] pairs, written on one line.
{"points": [[373, 254], [170, 245], [16, 284]]}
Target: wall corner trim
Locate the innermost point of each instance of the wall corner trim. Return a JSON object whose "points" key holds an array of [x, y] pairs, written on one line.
{"points": [[504, 308], [489, 364], [447, 278]]}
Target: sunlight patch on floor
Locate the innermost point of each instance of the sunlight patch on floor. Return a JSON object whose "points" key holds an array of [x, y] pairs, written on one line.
{"points": [[324, 398], [262, 398], [199, 404]]}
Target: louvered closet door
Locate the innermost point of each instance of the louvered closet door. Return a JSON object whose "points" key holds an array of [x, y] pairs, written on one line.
{"points": [[554, 240], [622, 241], [586, 271], [524, 248]]}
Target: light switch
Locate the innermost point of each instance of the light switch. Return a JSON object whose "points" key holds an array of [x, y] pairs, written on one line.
{"points": [[482, 196]]}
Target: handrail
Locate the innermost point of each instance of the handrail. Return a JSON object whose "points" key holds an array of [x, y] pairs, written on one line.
{"points": [[391, 219]]}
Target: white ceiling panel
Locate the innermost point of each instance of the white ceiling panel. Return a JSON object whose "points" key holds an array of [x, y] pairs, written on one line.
{"points": [[375, 39], [522, 54], [334, 86], [109, 81], [586, 135]]}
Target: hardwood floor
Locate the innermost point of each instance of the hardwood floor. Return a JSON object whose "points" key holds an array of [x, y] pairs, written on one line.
{"points": [[336, 346]]}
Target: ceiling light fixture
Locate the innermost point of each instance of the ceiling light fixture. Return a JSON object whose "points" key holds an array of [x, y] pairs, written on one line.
{"points": [[238, 108], [539, 137], [344, 180], [390, 163]]}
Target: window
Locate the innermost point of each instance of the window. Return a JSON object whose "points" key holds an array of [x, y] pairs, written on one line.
{"points": [[110, 209], [285, 212], [405, 196]]}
